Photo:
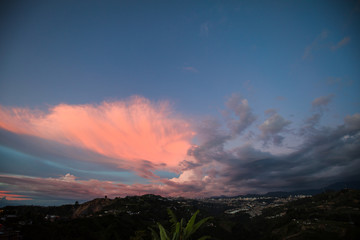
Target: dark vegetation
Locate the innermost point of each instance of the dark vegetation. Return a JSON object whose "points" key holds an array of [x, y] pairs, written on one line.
{"points": [[329, 215]]}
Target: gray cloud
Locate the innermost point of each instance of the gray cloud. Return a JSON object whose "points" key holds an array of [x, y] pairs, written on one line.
{"points": [[238, 114], [212, 136], [313, 120], [332, 155], [353, 122], [272, 127], [322, 101], [327, 155], [310, 125]]}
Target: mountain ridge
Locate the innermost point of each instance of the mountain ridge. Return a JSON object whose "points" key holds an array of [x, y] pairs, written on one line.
{"points": [[332, 187]]}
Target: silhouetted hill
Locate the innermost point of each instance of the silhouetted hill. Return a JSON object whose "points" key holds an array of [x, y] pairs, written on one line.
{"points": [[329, 215], [91, 207]]}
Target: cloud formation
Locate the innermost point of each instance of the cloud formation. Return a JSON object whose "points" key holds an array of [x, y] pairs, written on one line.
{"points": [[222, 162], [326, 156], [272, 127], [316, 44], [190, 69], [69, 187], [7, 195], [341, 43], [132, 130], [322, 101], [352, 122], [320, 42], [242, 115]]}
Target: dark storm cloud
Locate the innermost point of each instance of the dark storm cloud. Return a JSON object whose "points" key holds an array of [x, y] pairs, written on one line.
{"points": [[328, 156], [325, 156]]}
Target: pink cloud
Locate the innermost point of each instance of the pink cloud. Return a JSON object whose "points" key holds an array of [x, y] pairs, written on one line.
{"points": [[13, 197], [191, 184], [190, 69], [69, 187], [132, 131]]}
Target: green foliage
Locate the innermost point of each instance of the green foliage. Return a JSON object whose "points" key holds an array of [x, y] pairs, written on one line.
{"points": [[178, 231]]}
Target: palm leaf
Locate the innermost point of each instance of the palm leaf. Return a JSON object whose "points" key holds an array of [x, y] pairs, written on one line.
{"points": [[163, 234], [173, 219], [189, 227], [177, 232], [154, 234], [199, 224], [204, 238]]}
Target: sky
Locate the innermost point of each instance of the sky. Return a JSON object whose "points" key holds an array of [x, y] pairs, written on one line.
{"points": [[177, 98]]}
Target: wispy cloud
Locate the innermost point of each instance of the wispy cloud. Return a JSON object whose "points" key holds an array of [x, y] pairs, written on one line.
{"points": [[322, 101], [316, 44], [190, 69], [13, 197], [204, 29], [341, 43], [320, 42], [280, 98]]}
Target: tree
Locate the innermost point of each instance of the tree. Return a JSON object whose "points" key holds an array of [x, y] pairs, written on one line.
{"points": [[178, 230]]}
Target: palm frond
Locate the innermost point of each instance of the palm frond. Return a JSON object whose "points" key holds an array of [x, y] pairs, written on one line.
{"points": [[189, 227], [163, 233], [173, 219], [154, 234]]}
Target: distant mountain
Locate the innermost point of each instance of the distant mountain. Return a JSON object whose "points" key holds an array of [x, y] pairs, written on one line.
{"points": [[335, 187], [344, 185]]}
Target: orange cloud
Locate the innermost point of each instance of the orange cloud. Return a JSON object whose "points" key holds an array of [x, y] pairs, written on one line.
{"points": [[132, 130], [13, 197]]}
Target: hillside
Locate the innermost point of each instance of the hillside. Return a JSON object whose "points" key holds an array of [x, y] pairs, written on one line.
{"points": [[330, 215]]}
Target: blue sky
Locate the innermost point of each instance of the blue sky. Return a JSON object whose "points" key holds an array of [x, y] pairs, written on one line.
{"points": [[218, 66]]}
